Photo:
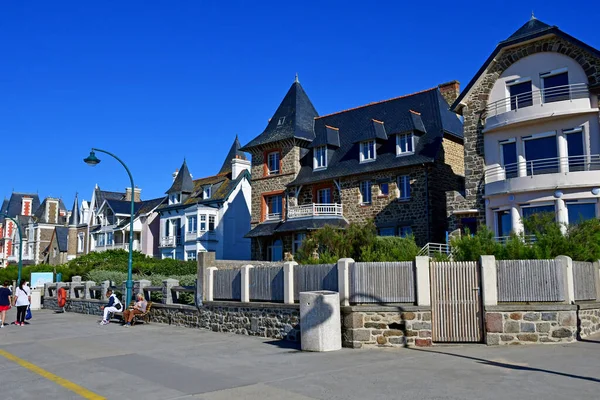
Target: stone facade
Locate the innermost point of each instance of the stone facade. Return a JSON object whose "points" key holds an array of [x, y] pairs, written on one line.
{"points": [[386, 326], [476, 101], [588, 319], [529, 324]]}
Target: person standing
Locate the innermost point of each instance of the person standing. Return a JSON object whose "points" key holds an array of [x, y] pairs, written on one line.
{"points": [[138, 308], [5, 301], [114, 305], [23, 297]]}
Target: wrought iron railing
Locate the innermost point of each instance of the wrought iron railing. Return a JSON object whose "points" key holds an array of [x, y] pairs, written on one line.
{"points": [[314, 209]]}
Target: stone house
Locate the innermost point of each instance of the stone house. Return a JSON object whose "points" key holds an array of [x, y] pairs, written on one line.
{"points": [[531, 133], [390, 161], [210, 213]]}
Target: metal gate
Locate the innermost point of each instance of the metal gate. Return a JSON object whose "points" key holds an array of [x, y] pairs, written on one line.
{"points": [[455, 302]]}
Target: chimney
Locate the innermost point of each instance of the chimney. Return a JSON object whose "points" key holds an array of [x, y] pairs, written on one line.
{"points": [[136, 196], [238, 166], [450, 91]]}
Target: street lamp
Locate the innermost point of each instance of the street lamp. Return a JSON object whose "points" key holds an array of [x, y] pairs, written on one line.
{"points": [[92, 160], [20, 245]]}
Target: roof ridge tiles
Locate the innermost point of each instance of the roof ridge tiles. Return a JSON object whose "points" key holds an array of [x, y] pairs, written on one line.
{"points": [[377, 102]]}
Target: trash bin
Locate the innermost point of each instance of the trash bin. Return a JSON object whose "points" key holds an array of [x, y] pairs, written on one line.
{"points": [[36, 299], [320, 325]]}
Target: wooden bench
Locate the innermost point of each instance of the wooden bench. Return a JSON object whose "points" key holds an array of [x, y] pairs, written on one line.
{"points": [[143, 316]]}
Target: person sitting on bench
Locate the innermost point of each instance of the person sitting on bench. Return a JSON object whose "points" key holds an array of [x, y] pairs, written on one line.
{"points": [[138, 308], [114, 305]]}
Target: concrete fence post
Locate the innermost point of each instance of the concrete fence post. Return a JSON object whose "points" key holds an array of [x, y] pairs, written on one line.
{"points": [[288, 282], [204, 261], [47, 289], [423, 283], [489, 279], [597, 278], [75, 282], [104, 285], [344, 265], [86, 289], [246, 283], [210, 283], [167, 292], [567, 266]]}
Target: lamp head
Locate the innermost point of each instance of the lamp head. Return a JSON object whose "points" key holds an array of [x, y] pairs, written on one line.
{"points": [[92, 159]]}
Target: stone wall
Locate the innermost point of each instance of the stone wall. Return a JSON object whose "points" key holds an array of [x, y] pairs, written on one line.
{"points": [[588, 319], [526, 324], [386, 326]]}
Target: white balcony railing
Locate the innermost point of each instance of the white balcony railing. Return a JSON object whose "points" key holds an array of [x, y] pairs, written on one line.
{"points": [[316, 210], [191, 236], [542, 167], [274, 216], [537, 97], [170, 241]]}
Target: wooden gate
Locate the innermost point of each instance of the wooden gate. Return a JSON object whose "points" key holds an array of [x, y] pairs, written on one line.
{"points": [[456, 310]]}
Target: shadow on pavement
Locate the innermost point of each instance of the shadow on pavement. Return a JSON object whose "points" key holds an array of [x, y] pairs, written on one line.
{"points": [[284, 344], [510, 366]]}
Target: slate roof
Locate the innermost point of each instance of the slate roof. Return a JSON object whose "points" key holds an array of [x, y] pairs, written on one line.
{"points": [[102, 195], [425, 112], [62, 237], [144, 208], [40, 213], [293, 119], [74, 218], [234, 152], [183, 181], [270, 228], [532, 29], [123, 206], [12, 207]]}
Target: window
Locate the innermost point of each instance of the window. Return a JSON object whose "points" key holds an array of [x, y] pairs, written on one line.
{"points": [[508, 152], [191, 255], [54, 252], [405, 231], [404, 143], [320, 157], [298, 239], [503, 223], [581, 212], [109, 238], [206, 192], [100, 240], [80, 242], [175, 198], [324, 196], [367, 151], [280, 121], [274, 206], [211, 223], [273, 163], [203, 223], [167, 228], [275, 250], [520, 93], [555, 85], [541, 154], [365, 192], [192, 224], [528, 211], [391, 231], [404, 187], [575, 149], [385, 189]]}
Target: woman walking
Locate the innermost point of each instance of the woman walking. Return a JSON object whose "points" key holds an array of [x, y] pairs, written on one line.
{"points": [[5, 301], [23, 298]]}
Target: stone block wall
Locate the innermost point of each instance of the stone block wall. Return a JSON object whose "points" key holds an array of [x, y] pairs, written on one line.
{"points": [[588, 319], [527, 324], [386, 326]]}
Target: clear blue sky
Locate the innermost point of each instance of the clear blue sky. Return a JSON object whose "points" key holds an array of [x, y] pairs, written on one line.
{"points": [[157, 81]]}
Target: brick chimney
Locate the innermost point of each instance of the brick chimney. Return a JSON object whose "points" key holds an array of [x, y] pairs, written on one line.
{"points": [[450, 91], [136, 196]]}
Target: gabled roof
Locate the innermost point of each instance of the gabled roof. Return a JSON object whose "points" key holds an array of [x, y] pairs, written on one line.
{"points": [[532, 29], [183, 181], [328, 137], [102, 195], [12, 207], [425, 112], [144, 208], [62, 238], [40, 213], [234, 152], [293, 119]]}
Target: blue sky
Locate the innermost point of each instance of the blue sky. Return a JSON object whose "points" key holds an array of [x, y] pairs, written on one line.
{"points": [[157, 81]]}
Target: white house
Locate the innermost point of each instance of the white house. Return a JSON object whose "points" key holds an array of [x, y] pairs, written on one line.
{"points": [[208, 214]]}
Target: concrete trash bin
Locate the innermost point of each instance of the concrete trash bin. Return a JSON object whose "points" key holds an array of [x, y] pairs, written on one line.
{"points": [[320, 325]]}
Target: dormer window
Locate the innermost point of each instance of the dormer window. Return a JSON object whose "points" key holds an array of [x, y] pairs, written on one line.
{"points": [[273, 161], [405, 144], [320, 157], [175, 198], [367, 151], [206, 192], [281, 121]]}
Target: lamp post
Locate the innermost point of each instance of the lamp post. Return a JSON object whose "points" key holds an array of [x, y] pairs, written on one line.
{"points": [[20, 245], [92, 160]]}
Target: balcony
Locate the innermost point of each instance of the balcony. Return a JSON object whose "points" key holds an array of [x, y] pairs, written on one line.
{"points": [[544, 103], [315, 210], [191, 236], [274, 217], [170, 241], [548, 173]]}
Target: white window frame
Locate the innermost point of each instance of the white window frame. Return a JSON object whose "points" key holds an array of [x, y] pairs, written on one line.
{"points": [[275, 171], [399, 151], [191, 225], [373, 157], [212, 219], [316, 159], [203, 223], [80, 242], [369, 193], [112, 238], [403, 183], [319, 191], [192, 253], [206, 192]]}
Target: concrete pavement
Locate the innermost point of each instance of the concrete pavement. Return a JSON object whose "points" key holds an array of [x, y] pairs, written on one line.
{"points": [[168, 362]]}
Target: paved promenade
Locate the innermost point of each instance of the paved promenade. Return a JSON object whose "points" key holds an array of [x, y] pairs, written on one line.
{"points": [[68, 356]]}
